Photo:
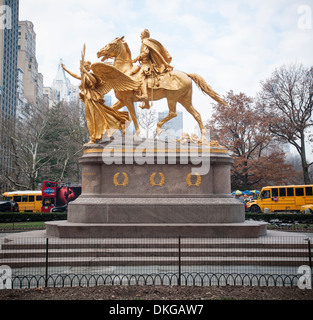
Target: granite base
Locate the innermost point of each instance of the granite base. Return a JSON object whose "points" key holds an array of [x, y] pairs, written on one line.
{"points": [[247, 229]]}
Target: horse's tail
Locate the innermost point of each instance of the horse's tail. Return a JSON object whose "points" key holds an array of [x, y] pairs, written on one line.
{"points": [[205, 88]]}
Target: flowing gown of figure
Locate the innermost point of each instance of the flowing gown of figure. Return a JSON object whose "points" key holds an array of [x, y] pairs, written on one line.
{"points": [[100, 118]]}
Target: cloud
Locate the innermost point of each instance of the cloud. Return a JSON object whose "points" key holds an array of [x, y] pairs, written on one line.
{"points": [[232, 44], [62, 27]]}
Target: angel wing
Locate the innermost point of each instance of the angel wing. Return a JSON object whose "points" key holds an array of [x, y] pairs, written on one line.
{"points": [[113, 78]]}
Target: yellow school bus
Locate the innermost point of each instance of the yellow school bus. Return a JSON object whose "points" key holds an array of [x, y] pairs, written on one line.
{"points": [[282, 198], [28, 201]]}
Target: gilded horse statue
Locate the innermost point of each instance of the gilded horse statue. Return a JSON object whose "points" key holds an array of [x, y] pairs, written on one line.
{"points": [[175, 86]]}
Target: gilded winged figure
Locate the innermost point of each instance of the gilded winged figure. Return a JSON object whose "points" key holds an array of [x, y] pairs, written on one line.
{"points": [[96, 81]]}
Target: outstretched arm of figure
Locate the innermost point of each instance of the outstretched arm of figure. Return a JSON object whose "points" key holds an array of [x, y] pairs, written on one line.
{"points": [[74, 75]]}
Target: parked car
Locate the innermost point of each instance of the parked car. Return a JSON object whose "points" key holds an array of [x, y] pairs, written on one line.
{"points": [[8, 206], [59, 209]]}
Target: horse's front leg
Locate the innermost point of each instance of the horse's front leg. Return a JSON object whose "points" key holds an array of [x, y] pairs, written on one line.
{"points": [[118, 105]]}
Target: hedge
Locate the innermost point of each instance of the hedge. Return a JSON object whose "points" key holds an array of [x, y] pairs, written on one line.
{"points": [[28, 216], [282, 217]]}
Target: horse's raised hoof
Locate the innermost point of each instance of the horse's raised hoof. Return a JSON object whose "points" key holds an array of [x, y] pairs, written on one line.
{"points": [[202, 141], [137, 133]]}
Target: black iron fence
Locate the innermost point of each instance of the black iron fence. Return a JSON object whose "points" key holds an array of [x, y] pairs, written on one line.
{"points": [[266, 261]]}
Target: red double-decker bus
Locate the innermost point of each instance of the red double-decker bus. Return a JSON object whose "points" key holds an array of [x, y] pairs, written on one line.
{"points": [[55, 195]]}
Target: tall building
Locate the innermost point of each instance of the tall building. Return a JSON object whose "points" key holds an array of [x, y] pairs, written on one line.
{"points": [[50, 95], [21, 99], [65, 91], [8, 57], [27, 62], [8, 81]]}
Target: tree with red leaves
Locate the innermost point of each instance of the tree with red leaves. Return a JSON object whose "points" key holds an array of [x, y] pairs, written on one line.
{"points": [[242, 128]]}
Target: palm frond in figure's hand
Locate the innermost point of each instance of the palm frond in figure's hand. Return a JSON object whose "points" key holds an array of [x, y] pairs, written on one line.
{"points": [[82, 62]]}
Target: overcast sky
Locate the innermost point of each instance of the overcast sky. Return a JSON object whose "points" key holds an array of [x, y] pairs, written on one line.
{"points": [[232, 44]]}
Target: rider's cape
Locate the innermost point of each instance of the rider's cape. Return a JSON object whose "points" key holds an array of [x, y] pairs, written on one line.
{"points": [[160, 57]]}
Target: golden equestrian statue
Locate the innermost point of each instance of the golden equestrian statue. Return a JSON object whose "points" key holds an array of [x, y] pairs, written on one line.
{"points": [[156, 76], [152, 80]]}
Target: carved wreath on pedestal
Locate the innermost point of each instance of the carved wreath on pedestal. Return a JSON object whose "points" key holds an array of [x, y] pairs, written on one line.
{"points": [[152, 180]]}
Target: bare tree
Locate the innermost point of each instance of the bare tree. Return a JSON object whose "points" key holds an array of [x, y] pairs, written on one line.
{"points": [[287, 96], [147, 120], [25, 142], [45, 145], [65, 133]]}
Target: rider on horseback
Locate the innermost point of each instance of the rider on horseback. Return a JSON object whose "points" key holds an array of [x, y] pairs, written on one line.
{"points": [[154, 60]]}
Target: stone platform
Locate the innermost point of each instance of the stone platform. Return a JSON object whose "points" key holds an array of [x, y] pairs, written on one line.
{"points": [[62, 229], [155, 188]]}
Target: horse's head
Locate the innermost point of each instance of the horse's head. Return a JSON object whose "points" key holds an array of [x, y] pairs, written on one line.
{"points": [[111, 50]]}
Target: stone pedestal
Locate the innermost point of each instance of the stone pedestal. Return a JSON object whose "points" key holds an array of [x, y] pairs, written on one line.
{"points": [[153, 188]]}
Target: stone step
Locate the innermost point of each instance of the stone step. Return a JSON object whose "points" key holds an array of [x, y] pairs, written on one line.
{"points": [[12, 243], [166, 261], [18, 253], [154, 252], [119, 245]]}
